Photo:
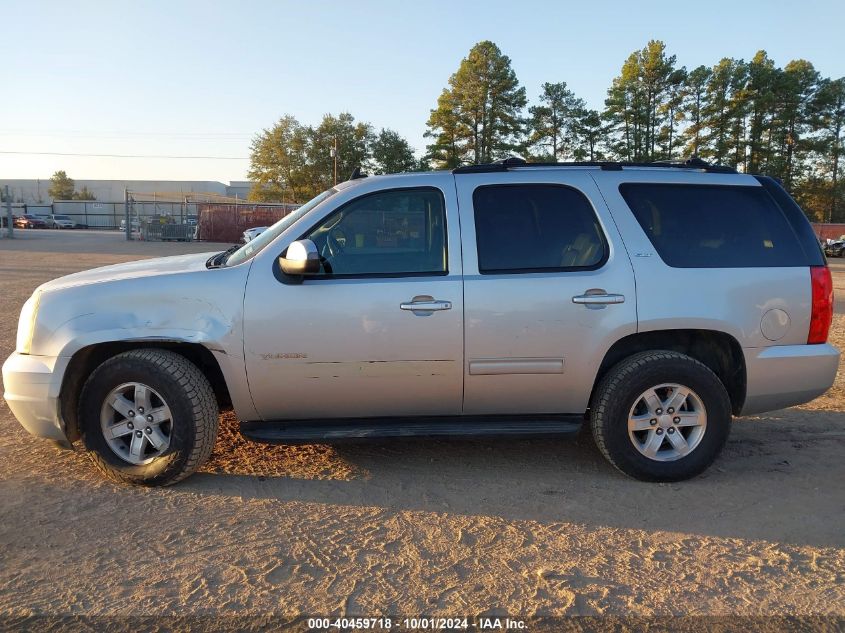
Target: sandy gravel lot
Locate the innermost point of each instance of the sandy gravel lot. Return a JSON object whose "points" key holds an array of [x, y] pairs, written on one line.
{"points": [[447, 528]]}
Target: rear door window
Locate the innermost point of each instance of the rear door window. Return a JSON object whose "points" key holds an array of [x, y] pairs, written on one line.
{"points": [[536, 228], [709, 226]]}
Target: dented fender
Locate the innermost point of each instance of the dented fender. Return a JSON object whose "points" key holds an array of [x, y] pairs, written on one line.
{"points": [[169, 300]]}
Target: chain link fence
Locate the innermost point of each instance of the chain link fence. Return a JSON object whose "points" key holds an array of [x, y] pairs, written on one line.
{"points": [[217, 221], [109, 215]]}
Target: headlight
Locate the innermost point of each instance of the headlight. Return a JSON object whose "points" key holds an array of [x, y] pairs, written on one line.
{"points": [[26, 323]]}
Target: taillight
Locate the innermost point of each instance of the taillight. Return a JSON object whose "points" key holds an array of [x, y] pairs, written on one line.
{"points": [[822, 313]]}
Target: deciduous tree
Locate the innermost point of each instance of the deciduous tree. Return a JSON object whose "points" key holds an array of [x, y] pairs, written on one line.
{"points": [[61, 186], [354, 140], [83, 194], [279, 164], [392, 153]]}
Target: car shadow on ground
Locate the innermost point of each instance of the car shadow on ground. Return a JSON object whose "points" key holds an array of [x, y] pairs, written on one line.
{"points": [[555, 480]]}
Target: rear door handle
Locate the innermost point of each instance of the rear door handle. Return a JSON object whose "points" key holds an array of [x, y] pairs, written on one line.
{"points": [[598, 299], [425, 305]]}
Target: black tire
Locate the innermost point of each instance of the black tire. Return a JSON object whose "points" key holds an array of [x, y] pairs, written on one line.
{"points": [[618, 392], [189, 396]]}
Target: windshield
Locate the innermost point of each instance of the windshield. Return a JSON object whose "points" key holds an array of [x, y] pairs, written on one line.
{"points": [[254, 246], [61, 217]]}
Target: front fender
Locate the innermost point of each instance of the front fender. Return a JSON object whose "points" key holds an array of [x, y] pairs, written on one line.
{"points": [[195, 307], [185, 320]]}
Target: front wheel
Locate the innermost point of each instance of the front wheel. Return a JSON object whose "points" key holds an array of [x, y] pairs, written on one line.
{"points": [[660, 416], [148, 417]]}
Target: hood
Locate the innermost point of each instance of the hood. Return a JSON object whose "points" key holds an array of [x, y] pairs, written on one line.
{"points": [[132, 270]]}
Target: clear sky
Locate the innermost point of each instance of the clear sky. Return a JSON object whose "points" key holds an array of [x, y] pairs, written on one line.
{"points": [[200, 78]]}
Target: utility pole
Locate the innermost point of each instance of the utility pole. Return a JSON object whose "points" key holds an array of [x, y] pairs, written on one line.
{"points": [[334, 155], [128, 218], [9, 221]]}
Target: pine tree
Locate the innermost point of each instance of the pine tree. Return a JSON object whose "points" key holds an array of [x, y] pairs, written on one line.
{"points": [[623, 111], [671, 113], [693, 95], [657, 71], [800, 82], [638, 102], [829, 107], [717, 112], [443, 126], [483, 107], [590, 134], [762, 79], [553, 121]]}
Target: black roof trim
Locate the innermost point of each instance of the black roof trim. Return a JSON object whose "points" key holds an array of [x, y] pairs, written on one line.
{"points": [[513, 161], [357, 174]]}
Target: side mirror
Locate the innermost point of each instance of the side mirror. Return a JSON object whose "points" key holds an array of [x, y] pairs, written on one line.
{"points": [[301, 258]]}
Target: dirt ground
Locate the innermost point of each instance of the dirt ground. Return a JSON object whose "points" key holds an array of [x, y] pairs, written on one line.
{"points": [[417, 527]]}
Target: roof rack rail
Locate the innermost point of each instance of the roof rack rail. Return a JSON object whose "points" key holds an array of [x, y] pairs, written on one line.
{"points": [[514, 161], [499, 165]]}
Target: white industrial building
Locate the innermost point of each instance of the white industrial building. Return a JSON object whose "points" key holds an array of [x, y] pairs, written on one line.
{"points": [[34, 191]]}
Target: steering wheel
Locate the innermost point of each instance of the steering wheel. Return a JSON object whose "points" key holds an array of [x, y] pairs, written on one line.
{"points": [[335, 244]]}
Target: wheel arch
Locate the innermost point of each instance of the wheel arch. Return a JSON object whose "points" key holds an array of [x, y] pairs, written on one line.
{"points": [[719, 351], [85, 360]]}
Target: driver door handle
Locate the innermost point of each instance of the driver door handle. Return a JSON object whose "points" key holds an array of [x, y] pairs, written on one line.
{"points": [[598, 299], [427, 304]]}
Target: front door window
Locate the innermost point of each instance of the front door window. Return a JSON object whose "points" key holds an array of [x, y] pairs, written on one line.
{"points": [[389, 233]]}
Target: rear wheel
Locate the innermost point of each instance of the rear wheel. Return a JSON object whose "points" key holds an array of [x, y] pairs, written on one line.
{"points": [[148, 417], [660, 416]]}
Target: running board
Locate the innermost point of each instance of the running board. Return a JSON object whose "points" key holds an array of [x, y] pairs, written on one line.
{"points": [[357, 429]]}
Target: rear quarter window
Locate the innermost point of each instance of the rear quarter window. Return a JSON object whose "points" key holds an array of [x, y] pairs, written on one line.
{"points": [[712, 226]]}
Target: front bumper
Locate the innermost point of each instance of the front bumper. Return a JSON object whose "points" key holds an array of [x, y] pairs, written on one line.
{"points": [[32, 387], [786, 375]]}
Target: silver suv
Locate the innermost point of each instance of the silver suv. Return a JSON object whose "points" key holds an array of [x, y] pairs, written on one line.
{"points": [[653, 301]]}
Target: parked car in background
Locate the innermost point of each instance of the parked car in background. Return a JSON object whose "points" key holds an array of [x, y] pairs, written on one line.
{"points": [[251, 234], [650, 302], [60, 222], [29, 221], [835, 248]]}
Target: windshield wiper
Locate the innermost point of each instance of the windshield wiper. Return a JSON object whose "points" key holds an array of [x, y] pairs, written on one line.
{"points": [[216, 261]]}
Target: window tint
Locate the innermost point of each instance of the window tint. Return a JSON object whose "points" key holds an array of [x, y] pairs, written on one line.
{"points": [[700, 226], [524, 228], [797, 218], [387, 233]]}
